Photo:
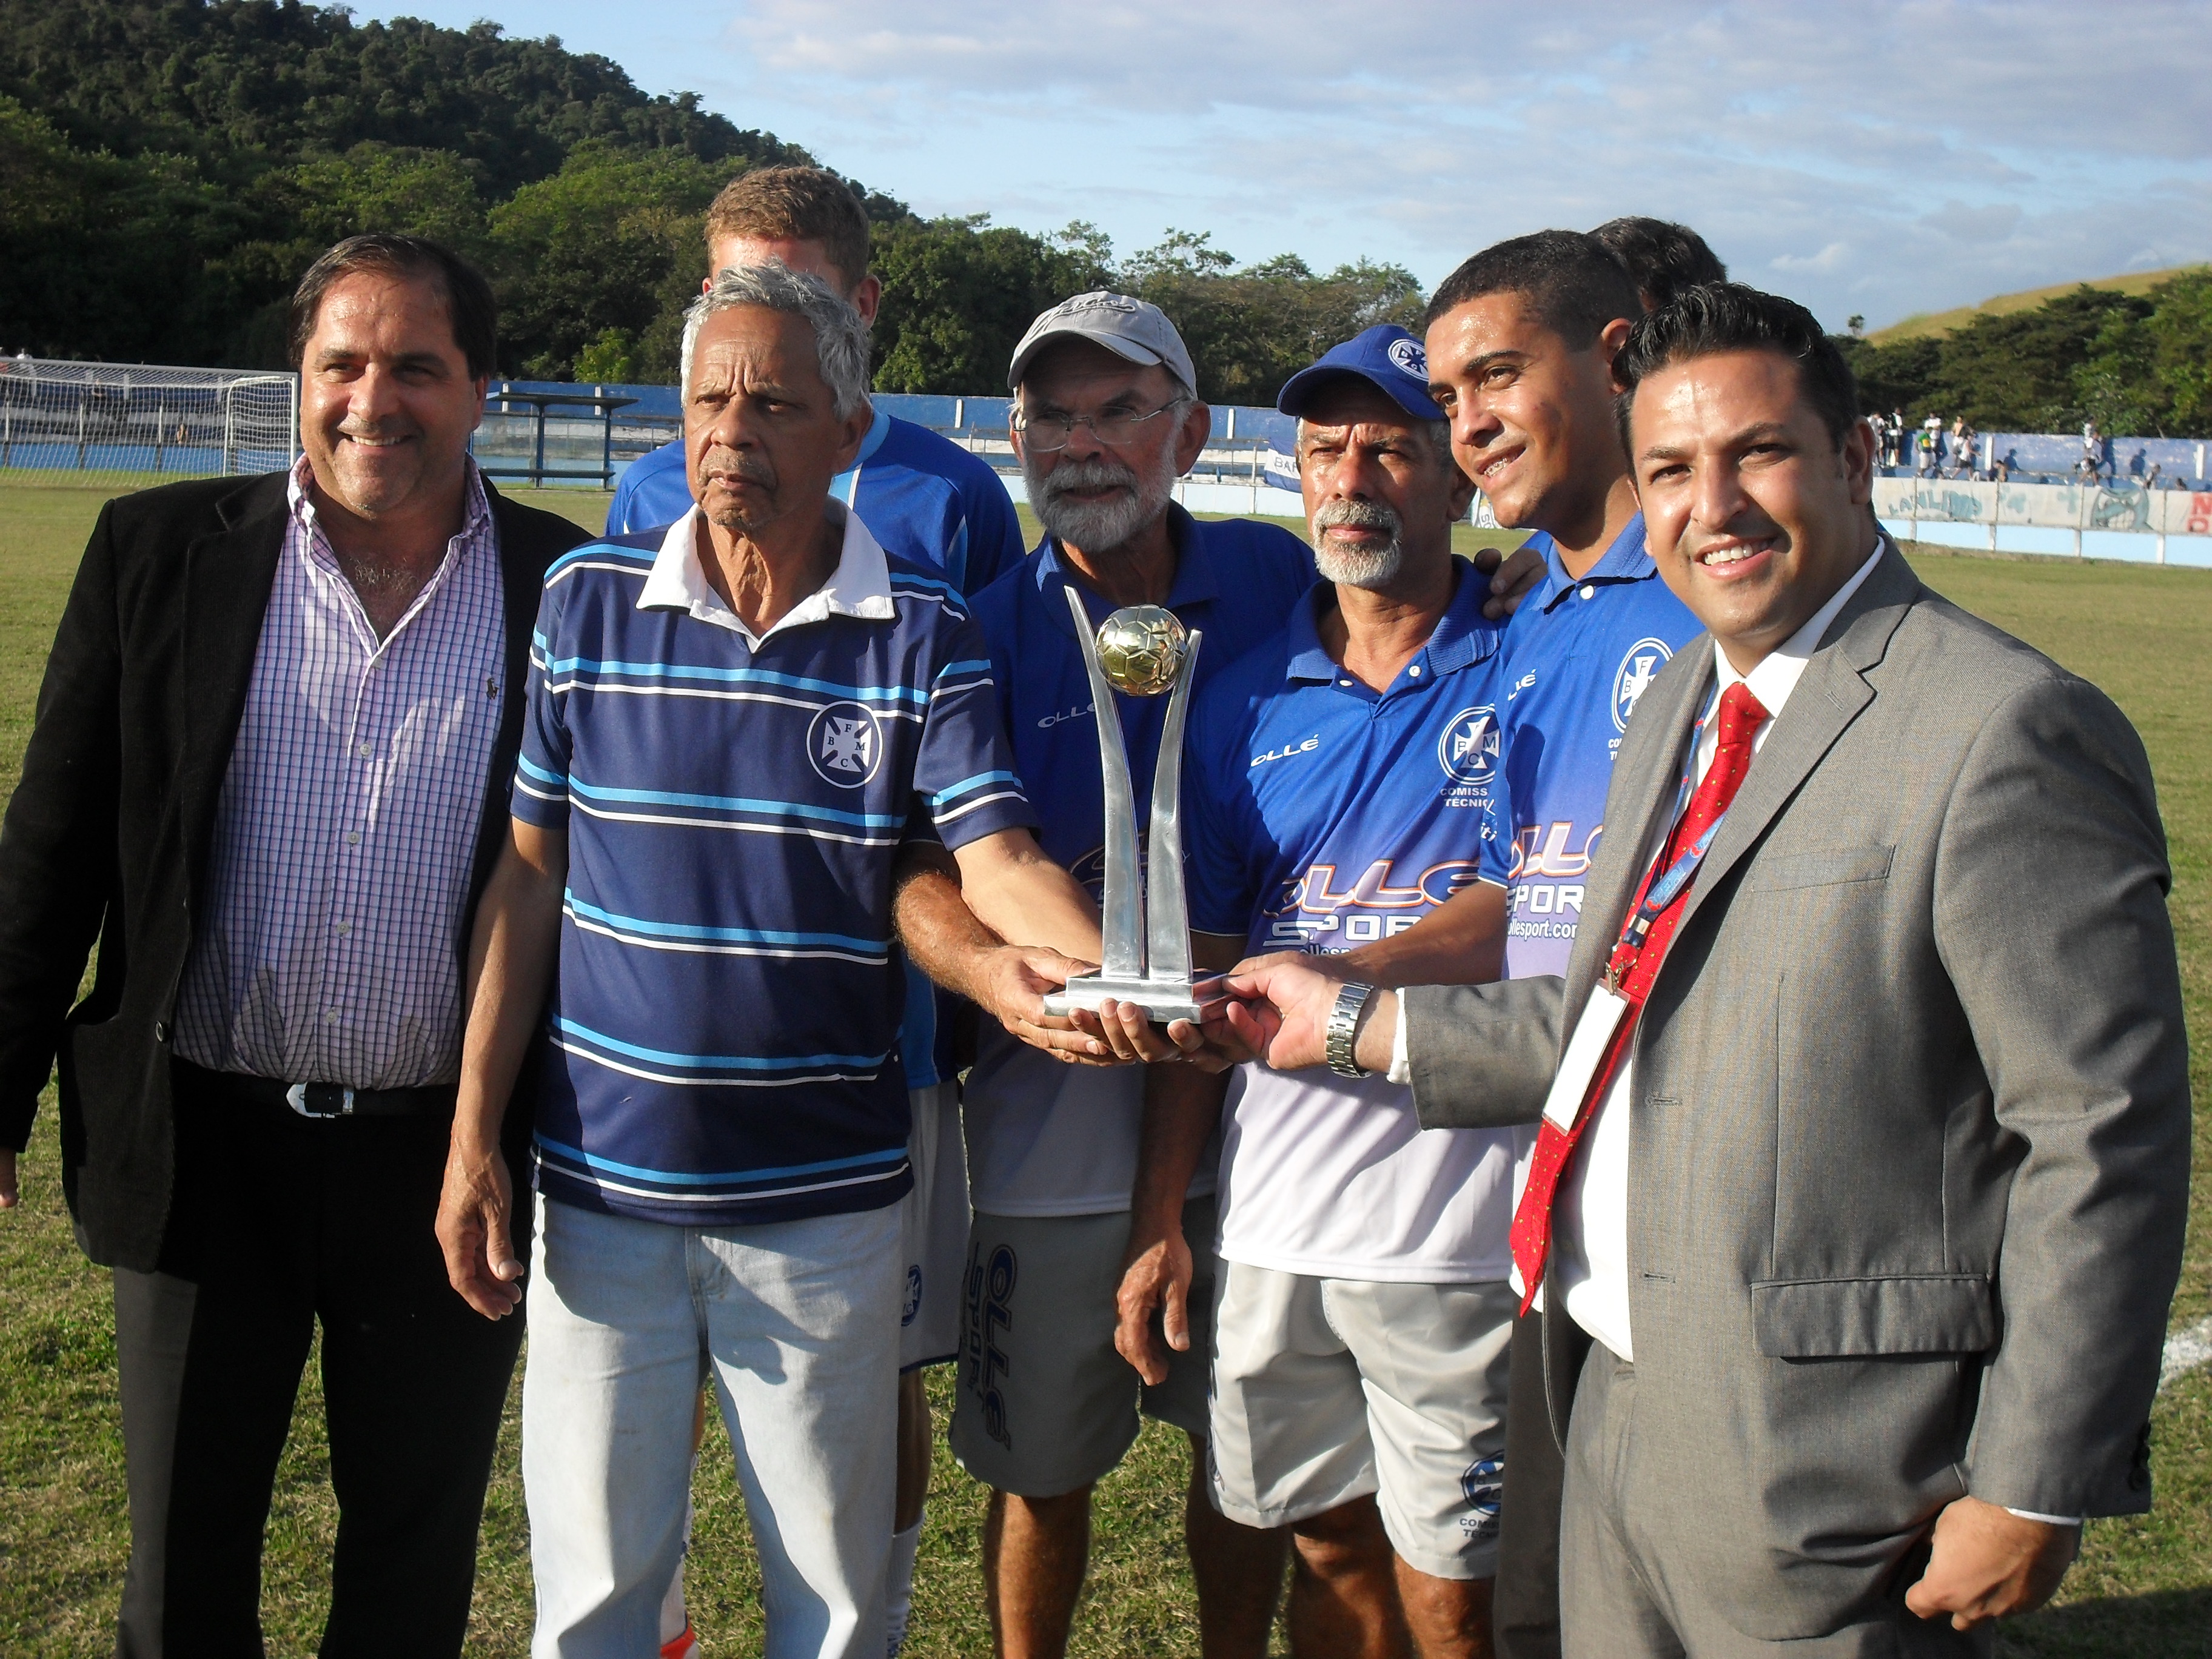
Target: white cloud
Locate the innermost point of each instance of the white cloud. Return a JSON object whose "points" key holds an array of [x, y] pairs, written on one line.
{"points": [[1829, 257], [1896, 155]]}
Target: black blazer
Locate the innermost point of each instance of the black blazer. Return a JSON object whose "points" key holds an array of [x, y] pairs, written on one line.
{"points": [[107, 835]]}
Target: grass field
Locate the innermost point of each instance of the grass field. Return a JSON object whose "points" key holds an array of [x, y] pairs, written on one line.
{"points": [[2144, 1588]]}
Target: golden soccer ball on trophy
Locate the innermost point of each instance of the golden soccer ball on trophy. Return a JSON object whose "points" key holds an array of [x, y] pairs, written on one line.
{"points": [[1140, 647]]}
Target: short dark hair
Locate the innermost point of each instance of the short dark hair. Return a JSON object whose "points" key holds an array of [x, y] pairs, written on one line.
{"points": [[794, 204], [469, 304], [1662, 258], [1571, 282], [1716, 317]]}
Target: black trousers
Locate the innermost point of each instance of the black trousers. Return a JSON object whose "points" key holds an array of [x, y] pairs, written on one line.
{"points": [[281, 1222], [1525, 1603]]}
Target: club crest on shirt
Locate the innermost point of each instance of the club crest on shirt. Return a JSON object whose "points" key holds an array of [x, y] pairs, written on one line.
{"points": [[846, 744], [1468, 747], [1638, 670]]}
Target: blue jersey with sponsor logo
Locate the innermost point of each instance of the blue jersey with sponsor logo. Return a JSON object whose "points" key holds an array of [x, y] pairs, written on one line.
{"points": [[1577, 658], [1045, 1138], [924, 499], [725, 1025], [1324, 816]]}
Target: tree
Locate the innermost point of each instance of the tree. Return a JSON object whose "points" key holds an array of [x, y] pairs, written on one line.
{"points": [[2015, 372], [958, 295], [2164, 359], [612, 241]]}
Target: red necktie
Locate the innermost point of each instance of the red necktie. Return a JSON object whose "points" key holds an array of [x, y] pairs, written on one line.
{"points": [[1633, 966]]}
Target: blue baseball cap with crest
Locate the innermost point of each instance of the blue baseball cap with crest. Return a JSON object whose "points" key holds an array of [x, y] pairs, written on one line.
{"points": [[1385, 355]]}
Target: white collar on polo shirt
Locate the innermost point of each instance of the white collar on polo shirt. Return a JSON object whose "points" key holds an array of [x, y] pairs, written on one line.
{"points": [[860, 585], [1776, 674]]}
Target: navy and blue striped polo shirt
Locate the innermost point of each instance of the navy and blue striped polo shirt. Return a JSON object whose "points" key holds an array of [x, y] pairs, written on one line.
{"points": [[724, 1035], [925, 499]]}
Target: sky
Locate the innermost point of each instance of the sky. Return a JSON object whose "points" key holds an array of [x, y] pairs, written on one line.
{"points": [[1879, 159]]}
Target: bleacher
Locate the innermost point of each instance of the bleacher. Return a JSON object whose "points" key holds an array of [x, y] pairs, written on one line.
{"points": [[2056, 458]]}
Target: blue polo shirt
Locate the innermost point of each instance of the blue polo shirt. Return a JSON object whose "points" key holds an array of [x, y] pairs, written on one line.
{"points": [[923, 497], [1330, 815], [1045, 1138], [1577, 656], [724, 1026], [1326, 816]]}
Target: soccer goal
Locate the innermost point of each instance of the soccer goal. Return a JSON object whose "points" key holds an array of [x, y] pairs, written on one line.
{"points": [[111, 424]]}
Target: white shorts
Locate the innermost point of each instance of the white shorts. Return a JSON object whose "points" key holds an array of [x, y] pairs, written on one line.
{"points": [[1327, 1389], [933, 1229]]}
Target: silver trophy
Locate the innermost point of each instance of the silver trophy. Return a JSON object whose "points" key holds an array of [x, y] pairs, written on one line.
{"points": [[1143, 918]]}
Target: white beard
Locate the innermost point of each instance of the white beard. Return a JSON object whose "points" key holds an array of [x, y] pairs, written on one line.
{"points": [[1350, 568], [1094, 527]]}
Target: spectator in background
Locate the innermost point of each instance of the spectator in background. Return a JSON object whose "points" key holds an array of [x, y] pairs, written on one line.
{"points": [[2093, 449], [268, 777], [2001, 467], [1880, 431], [1662, 257], [1894, 455], [1962, 448], [1930, 461]]}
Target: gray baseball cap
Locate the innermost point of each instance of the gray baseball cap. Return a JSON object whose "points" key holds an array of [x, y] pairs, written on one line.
{"points": [[1135, 329]]}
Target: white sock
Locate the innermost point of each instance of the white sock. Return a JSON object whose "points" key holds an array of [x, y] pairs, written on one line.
{"points": [[899, 1602]]}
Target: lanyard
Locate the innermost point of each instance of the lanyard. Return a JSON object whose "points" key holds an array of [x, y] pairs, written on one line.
{"points": [[1662, 887]]}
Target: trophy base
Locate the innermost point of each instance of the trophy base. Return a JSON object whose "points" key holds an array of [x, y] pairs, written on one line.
{"points": [[1164, 1000]]}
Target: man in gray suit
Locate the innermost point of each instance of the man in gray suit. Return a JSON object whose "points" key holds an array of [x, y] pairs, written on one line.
{"points": [[1865, 1102]]}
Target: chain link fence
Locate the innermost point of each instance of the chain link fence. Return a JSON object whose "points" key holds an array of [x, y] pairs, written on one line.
{"points": [[111, 425]]}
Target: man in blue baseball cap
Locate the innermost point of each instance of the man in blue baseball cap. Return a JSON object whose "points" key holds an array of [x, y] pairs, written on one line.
{"points": [[1337, 778]]}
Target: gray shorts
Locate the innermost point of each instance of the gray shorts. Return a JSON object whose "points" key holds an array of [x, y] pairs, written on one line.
{"points": [[1327, 1389], [1045, 1404], [933, 1229]]}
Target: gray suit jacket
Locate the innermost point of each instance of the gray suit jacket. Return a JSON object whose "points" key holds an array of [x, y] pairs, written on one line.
{"points": [[1910, 1141]]}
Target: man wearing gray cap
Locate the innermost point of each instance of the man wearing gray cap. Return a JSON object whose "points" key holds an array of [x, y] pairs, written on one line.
{"points": [[1106, 418]]}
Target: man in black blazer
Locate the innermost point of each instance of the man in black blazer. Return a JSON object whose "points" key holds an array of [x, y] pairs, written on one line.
{"points": [[268, 775]]}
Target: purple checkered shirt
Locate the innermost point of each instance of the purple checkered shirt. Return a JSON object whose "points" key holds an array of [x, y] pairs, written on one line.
{"points": [[328, 947]]}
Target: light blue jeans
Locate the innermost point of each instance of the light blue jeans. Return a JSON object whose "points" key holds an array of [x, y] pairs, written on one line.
{"points": [[799, 1323]]}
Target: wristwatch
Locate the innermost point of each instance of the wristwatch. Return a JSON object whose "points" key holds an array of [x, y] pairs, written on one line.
{"points": [[1343, 1026]]}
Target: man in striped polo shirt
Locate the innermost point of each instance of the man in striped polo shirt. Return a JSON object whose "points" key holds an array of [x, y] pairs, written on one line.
{"points": [[729, 736]]}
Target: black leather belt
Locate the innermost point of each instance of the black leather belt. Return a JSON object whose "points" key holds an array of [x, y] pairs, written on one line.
{"points": [[335, 1100]]}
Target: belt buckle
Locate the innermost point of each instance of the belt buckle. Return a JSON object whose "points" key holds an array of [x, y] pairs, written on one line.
{"points": [[301, 1098]]}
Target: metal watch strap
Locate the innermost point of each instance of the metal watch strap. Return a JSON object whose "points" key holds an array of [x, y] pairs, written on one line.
{"points": [[1343, 1027]]}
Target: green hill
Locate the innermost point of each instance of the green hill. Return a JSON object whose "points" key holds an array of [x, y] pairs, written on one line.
{"points": [[1936, 324]]}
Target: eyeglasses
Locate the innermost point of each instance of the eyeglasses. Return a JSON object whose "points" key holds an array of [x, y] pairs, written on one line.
{"points": [[1052, 429]]}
